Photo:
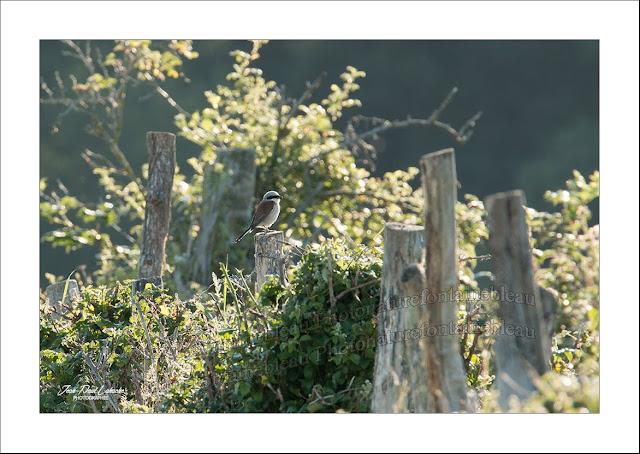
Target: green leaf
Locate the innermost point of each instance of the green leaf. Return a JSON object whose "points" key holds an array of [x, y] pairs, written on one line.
{"points": [[314, 407]]}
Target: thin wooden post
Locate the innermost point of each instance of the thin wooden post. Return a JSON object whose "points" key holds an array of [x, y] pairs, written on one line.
{"points": [[55, 293], [524, 351], [269, 256], [161, 147], [444, 363], [400, 382]]}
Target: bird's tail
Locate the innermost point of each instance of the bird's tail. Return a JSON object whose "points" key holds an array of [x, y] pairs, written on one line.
{"points": [[243, 235]]}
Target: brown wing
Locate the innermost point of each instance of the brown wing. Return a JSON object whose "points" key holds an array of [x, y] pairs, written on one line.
{"points": [[264, 208]]}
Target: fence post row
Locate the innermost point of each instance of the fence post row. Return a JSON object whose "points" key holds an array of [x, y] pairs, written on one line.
{"points": [[432, 379]]}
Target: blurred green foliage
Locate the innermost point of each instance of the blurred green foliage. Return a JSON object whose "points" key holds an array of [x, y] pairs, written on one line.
{"points": [[567, 251], [298, 151], [540, 100]]}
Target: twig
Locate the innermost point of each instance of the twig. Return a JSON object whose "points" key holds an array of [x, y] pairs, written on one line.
{"points": [[278, 393], [146, 332], [365, 284], [165, 338], [478, 257], [101, 382], [332, 297], [443, 105], [171, 101]]}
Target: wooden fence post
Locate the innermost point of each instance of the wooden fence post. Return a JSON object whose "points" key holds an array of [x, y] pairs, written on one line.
{"points": [[55, 292], [400, 382], [269, 256], [227, 199], [161, 147], [444, 362], [526, 313]]}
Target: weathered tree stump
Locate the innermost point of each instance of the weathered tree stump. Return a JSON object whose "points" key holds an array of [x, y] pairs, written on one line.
{"points": [[55, 293], [400, 382], [447, 380], [161, 147], [269, 257], [526, 312]]}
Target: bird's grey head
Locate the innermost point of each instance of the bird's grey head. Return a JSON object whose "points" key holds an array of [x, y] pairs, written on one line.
{"points": [[272, 196]]}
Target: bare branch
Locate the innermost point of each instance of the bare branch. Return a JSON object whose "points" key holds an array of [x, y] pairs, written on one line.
{"points": [[84, 57], [171, 101], [365, 284], [461, 136], [443, 105]]}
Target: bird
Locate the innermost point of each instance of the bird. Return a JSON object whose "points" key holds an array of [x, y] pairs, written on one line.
{"points": [[266, 213]]}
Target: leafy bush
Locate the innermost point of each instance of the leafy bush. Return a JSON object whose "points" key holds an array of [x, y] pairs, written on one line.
{"points": [[289, 350], [106, 341], [566, 249], [318, 355], [323, 173]]}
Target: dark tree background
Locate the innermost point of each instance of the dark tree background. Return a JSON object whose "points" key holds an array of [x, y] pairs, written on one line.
{"points": [[539, 101]]}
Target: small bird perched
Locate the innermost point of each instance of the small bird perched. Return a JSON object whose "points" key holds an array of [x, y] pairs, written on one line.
{"points": [[266, 213]]}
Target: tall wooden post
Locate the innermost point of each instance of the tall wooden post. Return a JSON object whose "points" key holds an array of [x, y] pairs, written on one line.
{"points": [[523, 350], [400, 382], [161, 147], [444, 362]]}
